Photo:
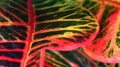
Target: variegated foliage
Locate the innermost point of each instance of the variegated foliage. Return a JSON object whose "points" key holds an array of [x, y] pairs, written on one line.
{"points": [[49, 33], [106, 46]]}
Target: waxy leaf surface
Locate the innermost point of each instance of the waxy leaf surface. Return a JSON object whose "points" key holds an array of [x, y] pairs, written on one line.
{"points": [[106, 46], [28, 27]]}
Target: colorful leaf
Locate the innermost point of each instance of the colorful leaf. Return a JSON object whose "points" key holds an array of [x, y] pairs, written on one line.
{"points": [[75, 58], [30, 27], [106, 46]]}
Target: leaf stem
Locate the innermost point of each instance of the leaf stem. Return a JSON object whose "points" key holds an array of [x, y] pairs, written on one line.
{"points": [[42, 58]]}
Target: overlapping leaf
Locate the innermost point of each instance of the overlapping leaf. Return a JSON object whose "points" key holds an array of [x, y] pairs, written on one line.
{"points": [[75, 58], [26, 27], [61, 25], [106, 46]]}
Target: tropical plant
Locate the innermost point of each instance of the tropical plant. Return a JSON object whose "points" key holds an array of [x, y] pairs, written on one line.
{"points": [[59, 33]]}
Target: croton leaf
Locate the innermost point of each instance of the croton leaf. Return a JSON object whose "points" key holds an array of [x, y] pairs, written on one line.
{"points": [[29, 27], [75, 58], [106, 46]]}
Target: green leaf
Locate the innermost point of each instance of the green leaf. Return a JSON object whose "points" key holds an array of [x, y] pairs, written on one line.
{"points": [[30, 27], [48, 33]]}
